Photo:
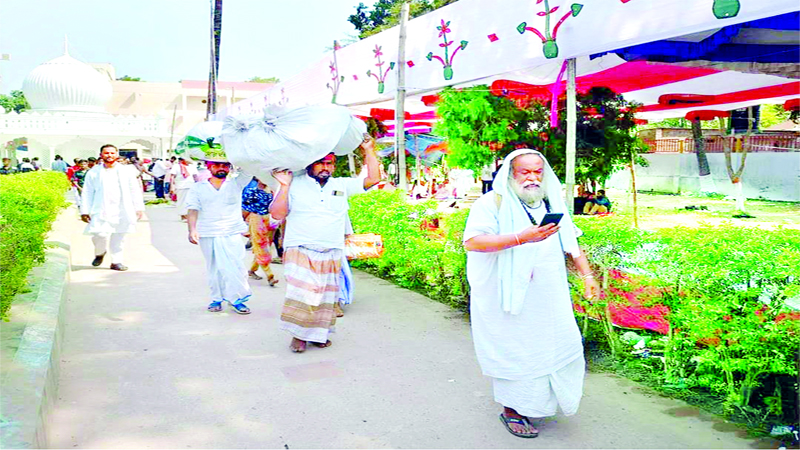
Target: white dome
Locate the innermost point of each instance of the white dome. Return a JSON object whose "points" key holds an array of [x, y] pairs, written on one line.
{"points": [[66, 84]]}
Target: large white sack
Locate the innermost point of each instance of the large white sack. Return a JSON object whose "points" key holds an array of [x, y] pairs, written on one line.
{"points": [[290, 139]]}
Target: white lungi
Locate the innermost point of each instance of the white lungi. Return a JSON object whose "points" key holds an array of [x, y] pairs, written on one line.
{"points": [[227, 274], [541, 397]]}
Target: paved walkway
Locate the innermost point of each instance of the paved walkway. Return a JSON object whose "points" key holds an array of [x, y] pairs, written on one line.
{"points": [[145, 366]]}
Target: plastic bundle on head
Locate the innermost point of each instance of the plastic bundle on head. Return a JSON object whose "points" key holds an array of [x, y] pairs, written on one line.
{"points": [[290, 139], [203, 142]]}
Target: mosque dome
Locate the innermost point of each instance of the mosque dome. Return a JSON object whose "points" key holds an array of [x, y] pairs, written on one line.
{"points": [[66, 84]]}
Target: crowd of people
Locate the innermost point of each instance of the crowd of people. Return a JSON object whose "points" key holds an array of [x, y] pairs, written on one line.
{"points": [[525, 335]]}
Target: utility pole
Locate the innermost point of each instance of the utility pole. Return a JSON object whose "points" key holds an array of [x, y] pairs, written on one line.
{"points": [[216, 35], [172, 128], [572, 128], [399, 110]]}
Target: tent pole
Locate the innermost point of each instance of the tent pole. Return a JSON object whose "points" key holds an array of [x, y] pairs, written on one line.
{"points": [[572, 121], [399, 110]]}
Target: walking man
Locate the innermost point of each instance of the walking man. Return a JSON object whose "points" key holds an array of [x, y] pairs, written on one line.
{"points": [[216, 224], [182, 177], [159, 172], [111, 204], [315, 208], [523, 327]]}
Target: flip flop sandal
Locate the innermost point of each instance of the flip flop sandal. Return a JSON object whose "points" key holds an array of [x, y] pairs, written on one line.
{"points": [[507, 421], [272, 281], [215, 307], [241, 308], [320, 345], [255, 276]]}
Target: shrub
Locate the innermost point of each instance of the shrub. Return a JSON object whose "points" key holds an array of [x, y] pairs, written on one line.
{"points": [[29, 203], [724, 289]]}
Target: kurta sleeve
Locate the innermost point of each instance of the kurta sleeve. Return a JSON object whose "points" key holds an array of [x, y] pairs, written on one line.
{"points": [[87, 196], [193, 198], [482, 218], [353, 186]]}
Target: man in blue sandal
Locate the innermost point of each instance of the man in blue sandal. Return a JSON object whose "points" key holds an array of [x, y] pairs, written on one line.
{"points": [[216, 224]]}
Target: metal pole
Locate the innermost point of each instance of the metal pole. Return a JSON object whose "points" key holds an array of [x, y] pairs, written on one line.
{"points": [[172, 129], [399, 111], [572, 122]]}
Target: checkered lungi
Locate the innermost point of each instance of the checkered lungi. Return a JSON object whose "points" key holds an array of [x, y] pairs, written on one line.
{"points": [[312, 288]]}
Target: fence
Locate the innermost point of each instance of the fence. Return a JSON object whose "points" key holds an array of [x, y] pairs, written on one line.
{"points": [[758, 143]]}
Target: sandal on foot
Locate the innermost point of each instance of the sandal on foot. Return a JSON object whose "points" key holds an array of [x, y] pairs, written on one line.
{"points": [[299, 348], [255, 276], [272, 281], [321, 345], [508, 421], [215, 307], [241, 308]]}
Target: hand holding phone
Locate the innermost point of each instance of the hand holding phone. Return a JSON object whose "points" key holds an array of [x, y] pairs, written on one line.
{"points": [[553, 218]]}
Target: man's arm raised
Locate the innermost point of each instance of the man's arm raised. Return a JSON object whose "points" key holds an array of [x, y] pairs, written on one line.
{"points": [[373, 171], [279, 208]]}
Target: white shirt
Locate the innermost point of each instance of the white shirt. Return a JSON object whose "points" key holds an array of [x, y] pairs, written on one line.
{"points": [[220, 211], [159, 169], [318, 214], [180, 182]]}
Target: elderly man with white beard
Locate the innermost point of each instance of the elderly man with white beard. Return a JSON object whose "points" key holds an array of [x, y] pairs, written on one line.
{"points": [[525, 334]]}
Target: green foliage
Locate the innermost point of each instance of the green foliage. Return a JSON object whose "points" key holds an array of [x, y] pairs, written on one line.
{"points": [[14, 102], [431, 260], [128, 78], [481, 127], [29, 203], [273, 80], [385, 14], [732, 338], [772, 115]]}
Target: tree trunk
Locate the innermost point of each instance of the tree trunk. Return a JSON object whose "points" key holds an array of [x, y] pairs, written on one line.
{"points": [[706, 181], [633, 188], [736, 175]]}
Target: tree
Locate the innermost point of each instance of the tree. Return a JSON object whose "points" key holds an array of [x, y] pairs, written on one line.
{"points": [[386, 13], [272, 80], [773, 115], [14, 102], [481, 128], [127, 78]]}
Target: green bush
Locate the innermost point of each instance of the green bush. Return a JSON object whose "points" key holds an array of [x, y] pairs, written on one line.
{"points": [[433, 261], [29, 203], [732, 336]]}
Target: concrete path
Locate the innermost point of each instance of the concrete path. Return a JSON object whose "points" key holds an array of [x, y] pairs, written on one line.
{"points": [[145, 366]]}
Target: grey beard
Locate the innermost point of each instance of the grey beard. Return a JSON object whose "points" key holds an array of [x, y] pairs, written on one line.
{"points": [[529, 196]]}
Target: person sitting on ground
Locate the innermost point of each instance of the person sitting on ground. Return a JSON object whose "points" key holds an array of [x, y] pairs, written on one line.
{"points": [[599, 205], [581, 199], [26, 166]]}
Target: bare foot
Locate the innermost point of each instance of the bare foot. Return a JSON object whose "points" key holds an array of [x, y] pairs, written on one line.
{"points": [[337, 308], [298, 346], [325, 345], [272, 280], [254, 276]]}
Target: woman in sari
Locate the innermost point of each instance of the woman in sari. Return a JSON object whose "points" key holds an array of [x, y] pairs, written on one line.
{"points": [[255, 203]]}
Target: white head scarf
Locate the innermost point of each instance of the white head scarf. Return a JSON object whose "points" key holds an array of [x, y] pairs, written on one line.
{"points": [[515, 265]]}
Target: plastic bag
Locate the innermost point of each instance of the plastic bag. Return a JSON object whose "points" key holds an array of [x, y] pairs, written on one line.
{"points": [[290, 139], [363, 246]]}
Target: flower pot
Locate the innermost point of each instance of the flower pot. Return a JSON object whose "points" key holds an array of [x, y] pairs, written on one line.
{"points": [[448, 72], [381, 87], [724, 9], [550, 49]]}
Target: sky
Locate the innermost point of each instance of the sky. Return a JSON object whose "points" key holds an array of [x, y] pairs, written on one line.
{"points": [[168, 40]]}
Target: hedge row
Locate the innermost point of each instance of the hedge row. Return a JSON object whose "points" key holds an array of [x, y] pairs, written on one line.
{"points": [[731, 333], [29, 203]]}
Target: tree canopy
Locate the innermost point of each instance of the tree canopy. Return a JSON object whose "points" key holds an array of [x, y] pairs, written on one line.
{"points": [[273, 80], [14, 102], [386, 13], [481, 127]]}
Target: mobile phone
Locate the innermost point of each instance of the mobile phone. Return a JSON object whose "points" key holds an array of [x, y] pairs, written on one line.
{"points": [[553, 218]]}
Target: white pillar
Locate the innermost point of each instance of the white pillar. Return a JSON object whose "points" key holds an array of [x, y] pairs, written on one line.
{"points": [[572, 125], [52, 156]]}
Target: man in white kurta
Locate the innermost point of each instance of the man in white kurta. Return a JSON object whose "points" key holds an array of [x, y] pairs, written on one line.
{"points": [[111, 204], [525, 334], [182, 177], [216, 224]]}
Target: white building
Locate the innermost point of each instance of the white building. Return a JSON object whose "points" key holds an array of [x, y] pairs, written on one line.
{"points": [[77, 107]]}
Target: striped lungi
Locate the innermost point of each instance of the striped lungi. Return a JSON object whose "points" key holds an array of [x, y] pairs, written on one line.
{"points": [[312, 288]]}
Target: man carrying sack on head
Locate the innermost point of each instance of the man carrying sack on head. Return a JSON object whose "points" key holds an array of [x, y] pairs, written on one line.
{"points": [[315, 206], [523, 327]]}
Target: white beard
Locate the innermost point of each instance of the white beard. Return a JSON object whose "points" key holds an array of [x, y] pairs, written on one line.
{"points": [[531, 194]]}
